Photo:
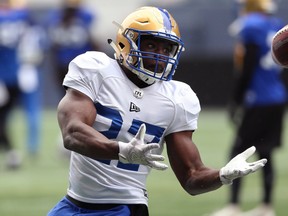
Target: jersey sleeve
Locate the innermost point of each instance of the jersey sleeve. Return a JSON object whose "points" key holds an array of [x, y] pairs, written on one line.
{"points": [[81, 72], [187, 109]]}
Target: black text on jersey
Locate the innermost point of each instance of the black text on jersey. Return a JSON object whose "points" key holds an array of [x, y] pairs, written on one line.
{"points": [[138, 93]]}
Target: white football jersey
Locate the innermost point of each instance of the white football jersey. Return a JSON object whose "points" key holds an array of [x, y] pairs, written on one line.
{"points": [[165, 107]]}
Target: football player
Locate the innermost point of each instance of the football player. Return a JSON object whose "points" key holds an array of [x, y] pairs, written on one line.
{"points": [[69, 34], [117, 115], [14, 19], [259, 94]]}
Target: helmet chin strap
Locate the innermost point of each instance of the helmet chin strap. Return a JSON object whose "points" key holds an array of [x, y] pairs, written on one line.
{"points": [[113, 45], [148, 80]]}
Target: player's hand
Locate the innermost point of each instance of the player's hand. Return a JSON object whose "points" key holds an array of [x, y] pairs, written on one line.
{"points": [[239, 167], [138, 152]]}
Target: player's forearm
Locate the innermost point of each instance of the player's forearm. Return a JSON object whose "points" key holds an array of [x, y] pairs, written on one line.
{"points": [[85, 140], [203, 182]]}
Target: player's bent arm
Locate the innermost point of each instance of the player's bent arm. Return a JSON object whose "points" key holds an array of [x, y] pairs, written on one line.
{"points": [[76, 114], [187, 165]]}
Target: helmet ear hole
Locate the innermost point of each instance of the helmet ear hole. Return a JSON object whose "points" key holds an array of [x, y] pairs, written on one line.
{"points": [[121, 45]]}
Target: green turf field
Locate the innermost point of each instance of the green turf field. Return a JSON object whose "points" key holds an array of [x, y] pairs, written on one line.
{"points": [[42, 181]]}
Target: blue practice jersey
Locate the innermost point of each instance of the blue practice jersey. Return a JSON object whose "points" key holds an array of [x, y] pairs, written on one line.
{"points": [[265, 86], [12, 27], [73, 39]]}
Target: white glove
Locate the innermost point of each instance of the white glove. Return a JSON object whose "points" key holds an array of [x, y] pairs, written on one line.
{"points": [[238, 167], [138, 152]]}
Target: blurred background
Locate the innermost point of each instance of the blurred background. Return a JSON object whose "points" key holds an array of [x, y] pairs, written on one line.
{"points": [[206, 65]]}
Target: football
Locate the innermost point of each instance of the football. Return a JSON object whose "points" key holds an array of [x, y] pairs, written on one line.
{"points": [[279, 47]]}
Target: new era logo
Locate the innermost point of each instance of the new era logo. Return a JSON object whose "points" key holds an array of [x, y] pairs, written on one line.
{"points": [[134, 108]]}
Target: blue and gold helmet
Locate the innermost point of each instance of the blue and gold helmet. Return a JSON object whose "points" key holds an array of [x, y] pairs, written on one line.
{"points": [[148, 21]]}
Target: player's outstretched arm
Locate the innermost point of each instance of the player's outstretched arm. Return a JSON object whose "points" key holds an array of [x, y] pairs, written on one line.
{"points": [[239, 167], [138, 152], [194, 176]]}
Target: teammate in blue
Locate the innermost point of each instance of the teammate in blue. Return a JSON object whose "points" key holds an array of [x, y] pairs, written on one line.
{"points": [[117, 115], [260, 95], [13, 22], [69, 30]]}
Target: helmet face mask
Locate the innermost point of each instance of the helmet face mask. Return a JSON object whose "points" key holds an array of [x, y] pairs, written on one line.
{"points": [[163, 64], [155, 24]]}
